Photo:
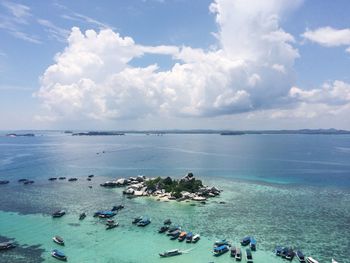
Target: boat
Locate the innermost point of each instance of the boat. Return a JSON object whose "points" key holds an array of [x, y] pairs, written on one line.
{"points": [[137, 219], [62, 178], [172, 229], [233, 251], [117, 207], [59, 255], [174, 235], [238, 256], [22, 180], [290, 254], [170, 253], [52, 178], [90, 176], [189, 237], [4, 182], [245, 241], [252, 244], [219, 250], [221, 242], [333, 261], [182, 236], [144, 222], [28, 182], [105, 214], [59, 213], [163, 229], [249, 255], [300, 256], [196, 238], [167, 222], [112, 225], [284, 252], [59, 240], [72, 179], [311, 260], [278, 250], [82, 216], [7, 245]]}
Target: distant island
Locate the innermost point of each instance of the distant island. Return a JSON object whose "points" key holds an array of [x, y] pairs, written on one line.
{"points": [[20, 135], [98, 133]]}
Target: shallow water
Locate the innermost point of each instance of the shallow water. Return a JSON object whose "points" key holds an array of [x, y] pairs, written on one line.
{"points": [[285, 190]]}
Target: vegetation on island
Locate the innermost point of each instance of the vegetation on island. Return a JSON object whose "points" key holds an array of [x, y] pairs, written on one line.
{"points": [[175, 187]]}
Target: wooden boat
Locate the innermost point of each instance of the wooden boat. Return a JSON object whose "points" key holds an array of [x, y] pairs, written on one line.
{"points": [[249, 255], [170, 253], [196, 238], [182, 236], [233, 251], [59, 213], [245, 241], [238, 256], [311, 260], [58, 255], [300, 256], [219, 250], [59, 240], [82, 216]]}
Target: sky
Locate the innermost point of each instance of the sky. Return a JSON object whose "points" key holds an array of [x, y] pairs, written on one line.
{"points": [[174, 64]]}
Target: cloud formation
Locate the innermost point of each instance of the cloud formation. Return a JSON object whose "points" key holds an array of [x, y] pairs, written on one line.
{"points": [[329, 37], [252, 69]]}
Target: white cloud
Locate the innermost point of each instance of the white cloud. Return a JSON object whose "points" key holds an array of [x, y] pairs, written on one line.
{"points": [[329, 37], [251, 70], [54, 31]]}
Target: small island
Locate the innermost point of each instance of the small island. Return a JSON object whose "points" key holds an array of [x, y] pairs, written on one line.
{"points": [[98, 133], [186, 188]]}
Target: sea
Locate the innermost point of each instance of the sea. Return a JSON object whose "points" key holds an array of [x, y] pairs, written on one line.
{"points": [[287, 190]]}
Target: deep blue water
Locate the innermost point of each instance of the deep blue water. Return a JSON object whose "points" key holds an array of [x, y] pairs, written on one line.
{"points": [[316, 160]]}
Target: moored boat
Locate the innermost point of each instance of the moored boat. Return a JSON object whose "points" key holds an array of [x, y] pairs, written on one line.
{"points": [[249, 255], [245, 241], [278, 250], [59, 240], [290, 254], [58, 255], [175, 234], [59, 213], [163, 229], [189, 237], [7, 245], [252, 244], [61, 178], [300, 256], [137, 219], [72, 179], [111, 225], [196, 238], [167, 222], [170, 253], [4, 181], [311, 260], [238, 256], [221, 242], [333, 261], [144, 222], [172, 229], [117, 207], [219, 250], [52, 178], [82, 216], [182, 236], [233, 251]]}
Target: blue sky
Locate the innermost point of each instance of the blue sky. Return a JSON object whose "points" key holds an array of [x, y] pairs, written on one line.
{"points": [[190, 64]]}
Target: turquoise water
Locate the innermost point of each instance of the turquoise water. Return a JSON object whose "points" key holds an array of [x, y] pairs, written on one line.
{"points": [[283, 189]]}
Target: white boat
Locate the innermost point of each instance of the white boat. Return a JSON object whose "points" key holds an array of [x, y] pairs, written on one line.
{"points": [[333, 261], [196, 238], [170, 253], [59, 240], [311, 260]]}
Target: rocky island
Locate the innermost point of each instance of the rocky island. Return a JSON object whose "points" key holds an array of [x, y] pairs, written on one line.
{"points": [[186, 188]]}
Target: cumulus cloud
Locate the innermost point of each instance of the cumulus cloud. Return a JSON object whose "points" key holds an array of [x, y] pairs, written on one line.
{"points": [[252, 69], [328, 36]]}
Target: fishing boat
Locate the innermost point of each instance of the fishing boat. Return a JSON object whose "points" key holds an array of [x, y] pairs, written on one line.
{"points": [[137, 219], [290, 254], [233, 251], [175, 234], [252, 244], [7, 245], [219, 250], [29, 182], [284, 252], [144, 222], [221, 242], [59, 213], [82, 216], [72, 179], [22, 180], [278, 250], [170, 253], [172, 229], [111, 225], [62, 178], [249, 255], [58, 255], [238, 256], [300, 256], [167, 222], [182, 236], [163, 229], [4, 181], [52, 178], [333, 261], [311, 260], [189, 237], [106, 214], [196, 238], [90, 176], [117, 207], [245, 241], [59, 240]]}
